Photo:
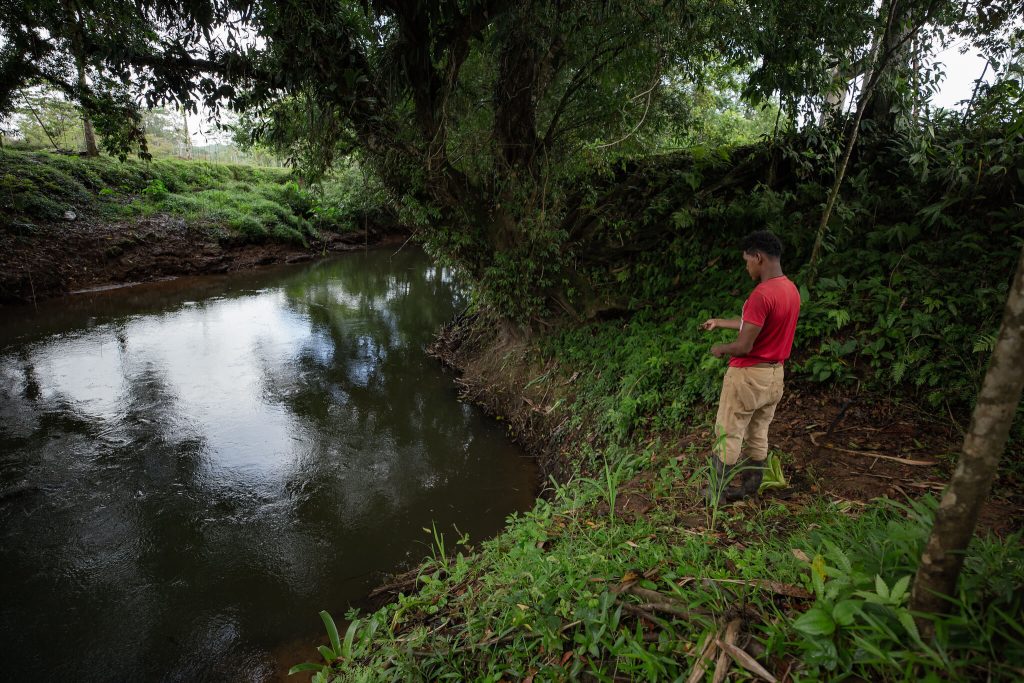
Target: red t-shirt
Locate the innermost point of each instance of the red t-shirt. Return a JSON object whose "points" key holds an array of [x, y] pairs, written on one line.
{"points": [[774, 306]]}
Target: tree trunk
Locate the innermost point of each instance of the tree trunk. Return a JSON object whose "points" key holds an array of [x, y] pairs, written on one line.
{"points": [[90, 137], [878, 63], [83, 84], [835, 98], [990, 428], [896, 48], [833, 194], [187, 140]]}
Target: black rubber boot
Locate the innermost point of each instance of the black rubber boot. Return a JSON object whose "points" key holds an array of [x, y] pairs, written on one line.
{"points": [[733, 488], [753, 475]]}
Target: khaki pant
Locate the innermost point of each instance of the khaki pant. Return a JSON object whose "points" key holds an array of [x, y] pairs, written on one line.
{"points": [[746, 408]]}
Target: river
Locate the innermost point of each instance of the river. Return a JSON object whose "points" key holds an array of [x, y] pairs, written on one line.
{"points": [[191, 470]]}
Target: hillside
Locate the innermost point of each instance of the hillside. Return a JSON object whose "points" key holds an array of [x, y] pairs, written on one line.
{"points": [[70, 223]]}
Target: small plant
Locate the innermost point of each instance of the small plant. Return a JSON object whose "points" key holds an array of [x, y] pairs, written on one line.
{"points": [[339, 650], [773, 476], [156, 190]]}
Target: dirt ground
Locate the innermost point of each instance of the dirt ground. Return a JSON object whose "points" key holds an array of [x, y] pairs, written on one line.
{"points": [[78, 255]]}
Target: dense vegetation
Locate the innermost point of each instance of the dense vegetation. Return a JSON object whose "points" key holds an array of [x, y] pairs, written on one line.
{"points": [[590, 167], [569, 591], [235, 203], [580, 586]]}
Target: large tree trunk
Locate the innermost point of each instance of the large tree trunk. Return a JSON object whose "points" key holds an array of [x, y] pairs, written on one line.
{"points": [[78, 48], [835, 98], [90, 136], [990, 428]]}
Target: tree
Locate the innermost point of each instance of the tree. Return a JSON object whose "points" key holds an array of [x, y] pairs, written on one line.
{"points": [[45, 119], [983, 446]]}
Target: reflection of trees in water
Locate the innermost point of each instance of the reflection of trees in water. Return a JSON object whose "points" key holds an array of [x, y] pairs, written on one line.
{"points": [[378, 421], [101, 511], [140, 524]]}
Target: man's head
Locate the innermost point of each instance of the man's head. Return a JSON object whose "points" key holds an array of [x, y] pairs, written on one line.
{"points": [[761, 248]]}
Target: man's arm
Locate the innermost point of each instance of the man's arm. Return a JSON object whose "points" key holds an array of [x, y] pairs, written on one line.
{"points": [[741, 347], [720, 324]]}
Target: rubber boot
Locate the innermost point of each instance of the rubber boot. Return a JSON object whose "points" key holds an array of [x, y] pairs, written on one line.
{"points": [[753, 475], [733, 488]]}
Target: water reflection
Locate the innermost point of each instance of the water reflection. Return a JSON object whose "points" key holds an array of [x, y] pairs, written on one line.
{"points": [[188, 476]]}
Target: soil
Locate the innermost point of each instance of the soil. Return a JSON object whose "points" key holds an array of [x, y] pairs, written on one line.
{"points": [[82, 254]]}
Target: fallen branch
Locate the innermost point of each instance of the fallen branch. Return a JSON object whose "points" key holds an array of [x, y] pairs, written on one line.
{"points": [[871, 454], [778, 587], [930, 485], [732, 631], [639, 611], [670, 608], [703, 659], [741, 657], [402, 582]]}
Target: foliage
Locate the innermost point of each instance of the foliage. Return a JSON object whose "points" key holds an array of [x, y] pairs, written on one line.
{"points": [[243, 203], [350, 197], [46, 121], [860, 622], [546, 599], [914, 281]]}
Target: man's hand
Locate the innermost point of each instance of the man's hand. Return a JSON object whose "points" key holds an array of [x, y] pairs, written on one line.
{"points": [[711, 324], [718, 350]]}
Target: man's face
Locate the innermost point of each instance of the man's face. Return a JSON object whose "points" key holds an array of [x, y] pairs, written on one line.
{"points": [[753, 262]]}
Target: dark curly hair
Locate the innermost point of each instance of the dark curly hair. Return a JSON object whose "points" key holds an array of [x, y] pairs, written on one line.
{"points": [[763, 241]]}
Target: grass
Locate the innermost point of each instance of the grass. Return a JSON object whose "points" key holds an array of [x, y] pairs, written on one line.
{"points": [[568, 591], [234, 202]]}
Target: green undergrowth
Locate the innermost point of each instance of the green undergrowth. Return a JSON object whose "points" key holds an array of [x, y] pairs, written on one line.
{"points": [[239, 203], [573, 589], [906, 302], [903, 309]]}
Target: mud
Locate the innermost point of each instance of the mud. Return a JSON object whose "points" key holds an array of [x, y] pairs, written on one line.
{"points": [[82, 255]]}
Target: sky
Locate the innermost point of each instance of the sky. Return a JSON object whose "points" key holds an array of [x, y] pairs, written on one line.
{"points": [[962, 70]]}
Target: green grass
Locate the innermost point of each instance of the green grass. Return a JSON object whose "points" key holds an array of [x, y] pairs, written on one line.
{"points": [[236, 202], [569, 591]]}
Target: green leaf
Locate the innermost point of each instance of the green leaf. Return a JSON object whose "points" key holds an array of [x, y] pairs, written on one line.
{"points": [[332, 630], [844, 612], [773, 477], [305, 666], [881, 588], [907, 621], [899, 589], [327, 653], [350, 634], [815, 622]]}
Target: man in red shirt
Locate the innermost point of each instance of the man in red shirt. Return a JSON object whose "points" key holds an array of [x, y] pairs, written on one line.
{"points": [[752, 386]]}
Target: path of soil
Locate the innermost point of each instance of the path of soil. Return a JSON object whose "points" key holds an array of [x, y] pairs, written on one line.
{"points": [[83, 254]]}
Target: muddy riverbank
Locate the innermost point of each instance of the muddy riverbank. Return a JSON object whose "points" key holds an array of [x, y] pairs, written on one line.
{"points": [[63, 258]]}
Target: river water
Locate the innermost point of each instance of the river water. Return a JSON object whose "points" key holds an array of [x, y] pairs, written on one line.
{"points": [[191, 470]]}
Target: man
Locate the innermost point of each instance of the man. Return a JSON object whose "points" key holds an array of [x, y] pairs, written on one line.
{"points": [[752, 386]]}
